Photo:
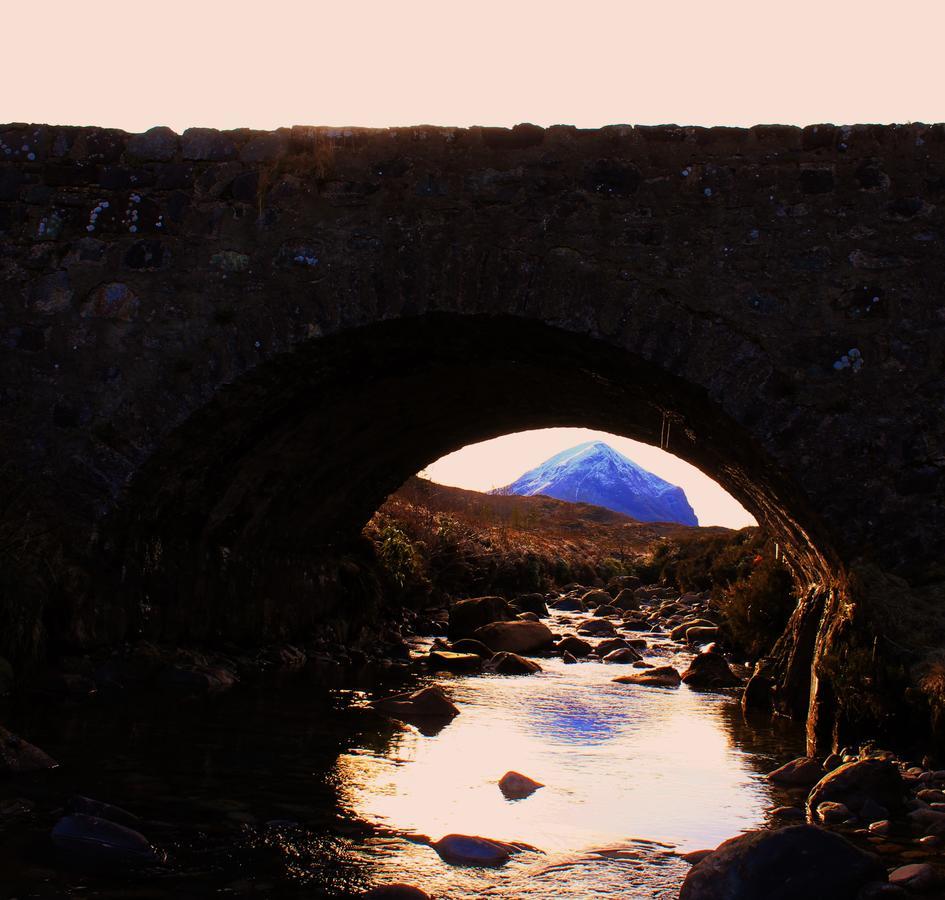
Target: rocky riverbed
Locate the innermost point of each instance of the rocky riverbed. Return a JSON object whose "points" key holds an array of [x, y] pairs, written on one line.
{"points": [[589, 742]]}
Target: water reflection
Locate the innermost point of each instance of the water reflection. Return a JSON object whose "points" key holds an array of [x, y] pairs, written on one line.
{"points": [[619, 763]]}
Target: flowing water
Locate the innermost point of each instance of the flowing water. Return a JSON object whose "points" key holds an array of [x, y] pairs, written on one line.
{"points": [[282, 790]]}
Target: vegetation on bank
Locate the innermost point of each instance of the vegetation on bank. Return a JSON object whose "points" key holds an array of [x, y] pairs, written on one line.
{"points": [[436, 542]]}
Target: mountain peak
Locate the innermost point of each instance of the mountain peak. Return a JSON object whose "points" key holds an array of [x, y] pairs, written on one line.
{"points": [[594, 472]]}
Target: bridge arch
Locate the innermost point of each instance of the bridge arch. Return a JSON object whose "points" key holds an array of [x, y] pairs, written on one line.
{"points": [[175, 307]]}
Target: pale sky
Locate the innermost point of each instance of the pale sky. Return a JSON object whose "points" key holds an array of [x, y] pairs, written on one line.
{"points": [[496, 463], [233, 63]]}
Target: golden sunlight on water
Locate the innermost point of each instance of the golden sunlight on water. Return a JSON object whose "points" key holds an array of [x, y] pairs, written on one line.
{"points": [[621, 764]]}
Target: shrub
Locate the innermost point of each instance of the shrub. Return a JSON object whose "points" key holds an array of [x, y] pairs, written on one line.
{"points": [[755, 610]]}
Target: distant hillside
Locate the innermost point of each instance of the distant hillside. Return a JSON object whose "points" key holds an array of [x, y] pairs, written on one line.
{"points": [[596, 473], [461, 543]]}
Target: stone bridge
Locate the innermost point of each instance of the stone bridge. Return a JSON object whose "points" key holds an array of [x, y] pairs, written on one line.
{"points": [[222, 350]]}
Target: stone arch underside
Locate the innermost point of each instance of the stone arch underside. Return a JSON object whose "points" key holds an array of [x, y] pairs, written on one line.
{"points": [[180, 312], [223, 531]]}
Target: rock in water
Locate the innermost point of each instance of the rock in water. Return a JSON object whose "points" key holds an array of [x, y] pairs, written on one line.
{"points": [[800, 861], [512, 664], [18, 756], [454, 662], [805, 771], [624, 655], [658, 676], [516, 786], [534, 603], [468, 645], [471, 850], [856, 783], [710, 670], [515, 637], [679, 632], [468, 615], [427, 703], [574, 645], [97, 843], [597, 628]]}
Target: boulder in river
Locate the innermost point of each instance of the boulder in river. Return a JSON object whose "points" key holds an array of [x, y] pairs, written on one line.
{"points": [[527, 617], [701, 634], [799, 861], [471, 645], [569, 604], [710, 670], [516, 786], [658, 676], [569, 659], [468, 615], [94, 843], [597, 597], [606, 609], [454, 662], [427, 703], [609, 644], [533, 603], [505, 663], [515, 637], [18, 756], [623, 655], [856, 783], [679, 632], [597, 628], [471, 850], [573, 645], [805, 771], [627, 601], [758, 695]]}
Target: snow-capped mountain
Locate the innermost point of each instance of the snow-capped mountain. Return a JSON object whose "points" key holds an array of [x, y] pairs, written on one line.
{"points": [[596, 473]]}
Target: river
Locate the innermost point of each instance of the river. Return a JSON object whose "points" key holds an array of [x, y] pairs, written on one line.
{"points": [[284, 789]]}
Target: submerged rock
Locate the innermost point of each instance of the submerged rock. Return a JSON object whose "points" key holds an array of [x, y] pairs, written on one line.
{"points": [[427, 703], [516, 786], [515, 637], [658, 676], [18, 756], [800, 861], [91, 842]]}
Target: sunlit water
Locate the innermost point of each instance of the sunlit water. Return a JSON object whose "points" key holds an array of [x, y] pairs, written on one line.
{"points": [[266, 791], [633, 777]]}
